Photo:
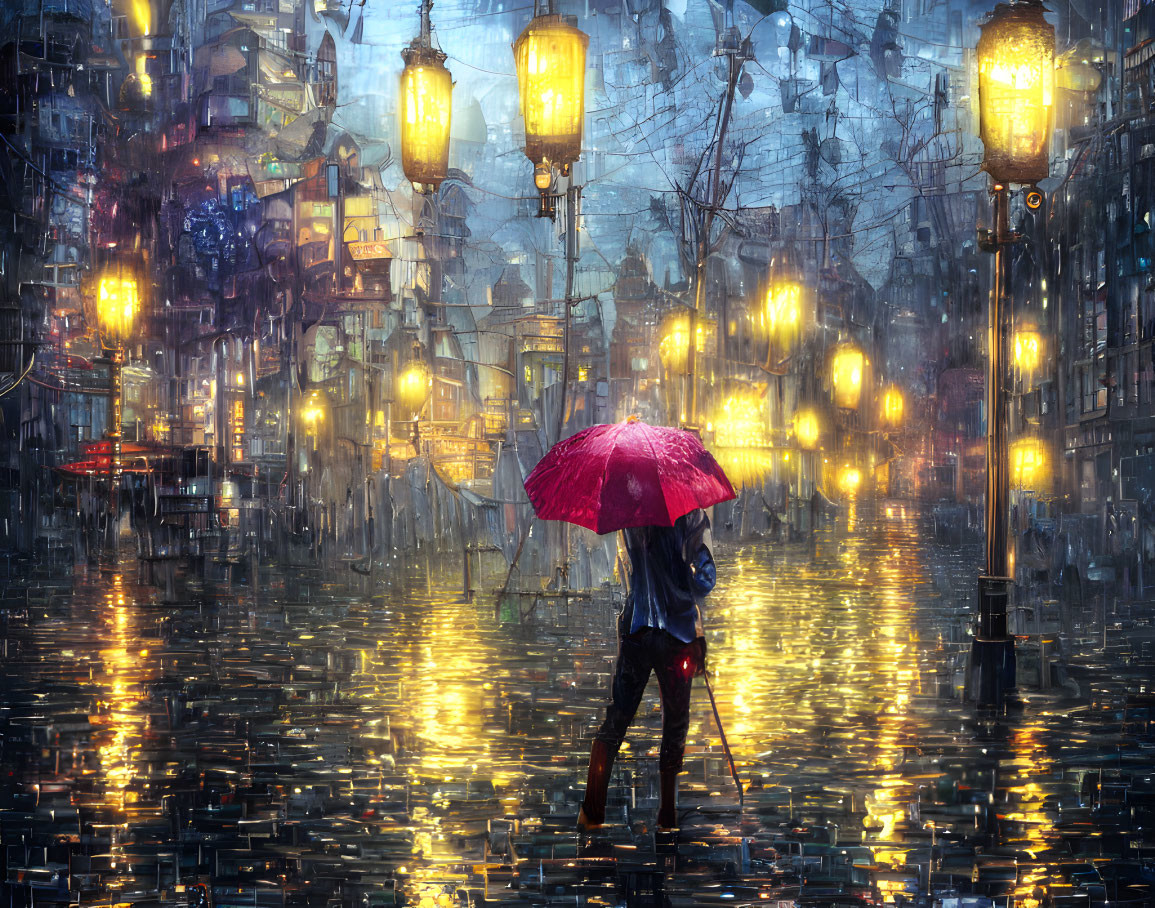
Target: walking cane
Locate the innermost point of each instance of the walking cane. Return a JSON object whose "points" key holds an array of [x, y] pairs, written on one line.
{"points": [[722, 733]]}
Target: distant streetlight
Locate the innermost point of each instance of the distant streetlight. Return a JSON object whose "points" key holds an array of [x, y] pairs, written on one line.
{"points": [[893, 405], [1028, 350], [413, 387], [849, 479], [782, 306], [806, 429], [426, 107], [550, 55], [847, 370], [313, 411], [117, 305], [1016, 54]]}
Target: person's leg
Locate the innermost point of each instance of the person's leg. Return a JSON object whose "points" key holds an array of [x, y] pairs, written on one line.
{"points": [[630, 676], [675, 666]]}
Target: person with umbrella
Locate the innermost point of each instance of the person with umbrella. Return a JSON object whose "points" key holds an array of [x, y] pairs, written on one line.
{"points": [[652, 483], [659, 631]]}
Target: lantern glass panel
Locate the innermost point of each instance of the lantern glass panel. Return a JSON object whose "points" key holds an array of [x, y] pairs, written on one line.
{"points": [[426, 107], [846, 374], [892, 407], [1016, 60], [117, 302], [551, 61], [413, 387]]}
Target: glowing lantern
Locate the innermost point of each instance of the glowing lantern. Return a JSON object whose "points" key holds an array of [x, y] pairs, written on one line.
{"points": [[673, 349], [847, 368], [893, 404], [313, 410], [806, 429], [426, 103], [782, 308], [849, 479], [1028, 350], [413, 386], [1016, 60], [117, 302], [1030, 465], [551, 69]]}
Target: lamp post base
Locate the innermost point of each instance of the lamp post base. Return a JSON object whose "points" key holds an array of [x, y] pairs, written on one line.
{"points": [[992, 673]]}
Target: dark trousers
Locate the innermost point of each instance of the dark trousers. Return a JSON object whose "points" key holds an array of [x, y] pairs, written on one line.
{"points": [[675, 664]]}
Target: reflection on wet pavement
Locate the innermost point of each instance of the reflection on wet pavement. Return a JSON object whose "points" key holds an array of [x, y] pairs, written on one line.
{"points": [[310, 738]]}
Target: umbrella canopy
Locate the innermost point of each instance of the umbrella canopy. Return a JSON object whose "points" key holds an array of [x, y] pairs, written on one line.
{"points": [[628, 474]]}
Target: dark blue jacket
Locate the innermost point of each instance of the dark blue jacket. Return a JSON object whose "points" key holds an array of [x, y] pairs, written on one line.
{"points": [[671, 569]]}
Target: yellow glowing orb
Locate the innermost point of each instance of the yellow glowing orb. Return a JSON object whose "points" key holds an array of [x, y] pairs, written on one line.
{"points": [[806, 429]]}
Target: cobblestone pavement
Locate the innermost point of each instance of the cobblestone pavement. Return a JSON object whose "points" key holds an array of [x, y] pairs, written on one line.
{"points": [[318, 737]]}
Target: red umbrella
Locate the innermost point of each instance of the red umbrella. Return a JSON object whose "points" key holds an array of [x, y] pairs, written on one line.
{"points": [[626, 474]]}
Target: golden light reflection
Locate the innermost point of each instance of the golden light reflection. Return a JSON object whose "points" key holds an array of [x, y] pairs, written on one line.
{"points": [[119, 723], [1028, 827], [413, 387], [842, 673]]}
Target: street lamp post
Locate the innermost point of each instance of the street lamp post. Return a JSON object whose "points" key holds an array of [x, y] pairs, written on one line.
{"points": [[117, 302], [426, 108], [1016, 86], [550, 55]]}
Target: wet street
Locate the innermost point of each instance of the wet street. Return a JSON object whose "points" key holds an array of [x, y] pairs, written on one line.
{"points": [[323, 738]]}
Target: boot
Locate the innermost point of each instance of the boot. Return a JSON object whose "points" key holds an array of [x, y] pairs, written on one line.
{"points": [[668, 800], [593, 809]]}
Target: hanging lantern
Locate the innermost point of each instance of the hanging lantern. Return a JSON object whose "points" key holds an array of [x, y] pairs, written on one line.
{"points": [[847, 369], [550, 56], [426, 105], [806, 429], [849, 479], [1016, 60], [413, 387]]}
